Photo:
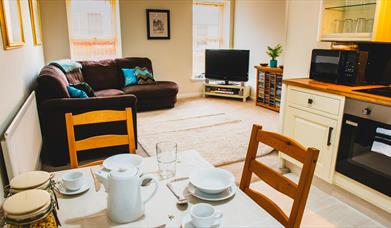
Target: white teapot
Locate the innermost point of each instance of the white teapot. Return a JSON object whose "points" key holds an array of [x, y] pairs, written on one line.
{"points": [[124, 203]]}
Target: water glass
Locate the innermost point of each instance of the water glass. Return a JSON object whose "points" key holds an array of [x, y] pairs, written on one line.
{"points": [[166, 154], [348, 25], [361, 25]]}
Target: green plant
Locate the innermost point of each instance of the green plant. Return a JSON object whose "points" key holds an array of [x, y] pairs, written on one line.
{"points": [[274, 52]]}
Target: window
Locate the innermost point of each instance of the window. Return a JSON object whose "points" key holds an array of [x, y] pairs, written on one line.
{"points": [[211, 30], [93, 29]]}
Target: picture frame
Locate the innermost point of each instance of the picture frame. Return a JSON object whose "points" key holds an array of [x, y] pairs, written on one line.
{"points": [[36, 26], [158, 24], [11, 24]]}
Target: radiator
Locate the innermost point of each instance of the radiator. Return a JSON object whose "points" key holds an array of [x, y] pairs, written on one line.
{"points": [[22, 141]]}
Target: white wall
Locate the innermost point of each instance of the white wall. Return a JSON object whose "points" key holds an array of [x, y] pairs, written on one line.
{"points": [[301, 37], [258, 24], [19, 68], [55, 30], [171, 59]]}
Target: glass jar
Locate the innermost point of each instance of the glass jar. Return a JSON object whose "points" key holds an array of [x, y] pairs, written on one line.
{"points": [[33, 180], [30, 208]]}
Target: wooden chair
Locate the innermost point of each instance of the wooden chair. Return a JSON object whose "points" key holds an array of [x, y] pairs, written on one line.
{"points": [[93, 117], [298, 192]]}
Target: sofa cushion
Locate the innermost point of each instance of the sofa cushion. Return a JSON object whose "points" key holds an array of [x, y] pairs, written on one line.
{"points": [[102, 74], [129, 77], [85, 87], [109, 92], [76, 93], [159, 89], [143, 76]]}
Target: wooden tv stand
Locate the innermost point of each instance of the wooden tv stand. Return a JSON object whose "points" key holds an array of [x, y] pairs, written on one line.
{"points": [[240, 91]]}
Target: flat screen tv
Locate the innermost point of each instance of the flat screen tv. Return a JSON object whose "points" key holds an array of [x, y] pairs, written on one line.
{"points": [[227, 64]]}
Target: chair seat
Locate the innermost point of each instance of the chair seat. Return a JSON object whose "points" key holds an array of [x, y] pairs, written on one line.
{"points": [[159, 89]]}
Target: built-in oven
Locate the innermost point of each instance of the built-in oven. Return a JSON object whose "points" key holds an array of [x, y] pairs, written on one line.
{"points": [[364, 152]]}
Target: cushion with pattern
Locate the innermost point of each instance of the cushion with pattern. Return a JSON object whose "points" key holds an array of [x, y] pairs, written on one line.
{"points": [[84, 87], [144, 76]]}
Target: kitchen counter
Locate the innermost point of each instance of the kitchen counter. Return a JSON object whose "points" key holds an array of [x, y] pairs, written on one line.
{"points": [[347, 91]]}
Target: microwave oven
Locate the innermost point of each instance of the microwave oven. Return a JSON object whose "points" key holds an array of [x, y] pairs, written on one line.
{"points": [[346, 67]]}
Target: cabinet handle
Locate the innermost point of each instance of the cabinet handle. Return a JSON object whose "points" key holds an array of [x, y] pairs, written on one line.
{"points": [[310, 101], [329, 136]]}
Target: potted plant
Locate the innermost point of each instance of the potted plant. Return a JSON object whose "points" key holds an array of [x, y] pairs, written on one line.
{"points": [[274, 53]]}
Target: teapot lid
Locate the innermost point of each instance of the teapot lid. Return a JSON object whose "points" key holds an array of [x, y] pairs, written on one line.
{"points": [[124, 173]]}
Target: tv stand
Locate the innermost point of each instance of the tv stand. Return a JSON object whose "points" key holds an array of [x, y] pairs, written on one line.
{"points": [[226, 89]]}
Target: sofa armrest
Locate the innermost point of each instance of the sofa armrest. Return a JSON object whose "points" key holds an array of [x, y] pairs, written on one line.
{"points": [[80, 105]]}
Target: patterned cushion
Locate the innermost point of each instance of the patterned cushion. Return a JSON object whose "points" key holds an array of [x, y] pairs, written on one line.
{"points": [[84, 87], [143, 76], [129, 77], [76, 93]]}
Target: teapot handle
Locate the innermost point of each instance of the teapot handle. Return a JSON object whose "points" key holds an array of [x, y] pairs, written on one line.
{"points": [[154, 190]]}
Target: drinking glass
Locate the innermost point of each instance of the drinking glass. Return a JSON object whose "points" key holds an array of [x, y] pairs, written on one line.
{"points": [[361, 24], [369, 25], [166, 154], [348, 25]]}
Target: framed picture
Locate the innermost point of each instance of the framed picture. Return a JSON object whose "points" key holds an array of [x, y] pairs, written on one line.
{"points": [[11, 24], [158, 24], [35, 15]]}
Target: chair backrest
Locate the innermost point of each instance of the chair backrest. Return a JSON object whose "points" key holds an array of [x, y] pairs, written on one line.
{"points": [[298, 192], [94, 117]]}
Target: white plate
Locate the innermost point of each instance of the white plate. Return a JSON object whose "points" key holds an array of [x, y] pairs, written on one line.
{"points": [[212, 180], [186, 222], [64, 191], [122, 161], [229, 192]]}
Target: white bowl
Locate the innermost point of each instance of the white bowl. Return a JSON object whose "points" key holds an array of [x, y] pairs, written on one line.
{"points": [[123, 161], [212, 180]]}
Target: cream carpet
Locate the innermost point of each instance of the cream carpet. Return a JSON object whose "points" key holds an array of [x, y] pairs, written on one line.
{"points": [[219, 129], [322, 209]]}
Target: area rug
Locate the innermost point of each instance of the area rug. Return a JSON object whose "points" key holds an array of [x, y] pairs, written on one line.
{"points": [[218, 129]]}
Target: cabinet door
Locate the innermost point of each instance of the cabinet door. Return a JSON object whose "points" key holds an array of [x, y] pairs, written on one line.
{"points": [[316, 131]]}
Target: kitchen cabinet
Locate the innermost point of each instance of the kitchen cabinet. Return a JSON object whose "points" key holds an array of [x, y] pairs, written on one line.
{"points": [[355, 20], [313, 119]]}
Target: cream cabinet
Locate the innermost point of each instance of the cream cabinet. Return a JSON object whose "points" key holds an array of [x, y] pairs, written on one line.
{"points": [[314, 118], [355, 20]]}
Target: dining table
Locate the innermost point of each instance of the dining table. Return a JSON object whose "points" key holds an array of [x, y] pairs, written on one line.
{"points": [[89, 209]]}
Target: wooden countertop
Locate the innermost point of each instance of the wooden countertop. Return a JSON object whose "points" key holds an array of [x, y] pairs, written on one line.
{"points": [[347, 91]]}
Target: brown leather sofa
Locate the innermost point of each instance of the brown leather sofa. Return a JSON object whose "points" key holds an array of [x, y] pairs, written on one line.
{"points": [[105, 78]]}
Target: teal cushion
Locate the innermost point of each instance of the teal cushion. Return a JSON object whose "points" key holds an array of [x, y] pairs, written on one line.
{"points": [[129, 77], [76, 93], [85, 87]]}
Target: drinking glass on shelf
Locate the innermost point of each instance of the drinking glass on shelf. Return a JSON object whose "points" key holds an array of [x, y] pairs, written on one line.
{"points": [[337, 26], [166, 154], [361, 25], [348, 25], [369, 25]]}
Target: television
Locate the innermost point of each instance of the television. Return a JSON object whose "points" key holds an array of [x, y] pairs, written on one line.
{"points": [[227, 64]]}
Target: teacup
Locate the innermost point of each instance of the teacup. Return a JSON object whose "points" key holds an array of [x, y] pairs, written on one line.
{"points": [[204, 215], [72, 181]]}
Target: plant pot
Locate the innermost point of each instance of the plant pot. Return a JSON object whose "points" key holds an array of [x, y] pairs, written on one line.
{"points": [[273, 63]]}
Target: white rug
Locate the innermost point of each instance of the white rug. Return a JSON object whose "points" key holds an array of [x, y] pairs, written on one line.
{"points": [[218, 129]]}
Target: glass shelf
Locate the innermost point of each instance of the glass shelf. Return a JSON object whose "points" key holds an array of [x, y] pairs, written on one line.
{"points": [[342, 7]]}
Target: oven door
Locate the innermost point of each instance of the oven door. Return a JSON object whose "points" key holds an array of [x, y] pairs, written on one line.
{"points": [[365, 152], [326, 65]]}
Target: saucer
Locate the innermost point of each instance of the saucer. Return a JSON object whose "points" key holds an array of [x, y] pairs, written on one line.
{"points": [[229, 192], [61, 189], [186, 222]]}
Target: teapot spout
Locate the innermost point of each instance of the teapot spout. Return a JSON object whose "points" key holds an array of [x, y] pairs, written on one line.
{"points": [[102, 177]]}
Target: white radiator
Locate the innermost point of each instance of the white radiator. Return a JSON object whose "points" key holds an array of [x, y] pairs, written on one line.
{"points": [[22, 140]]}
